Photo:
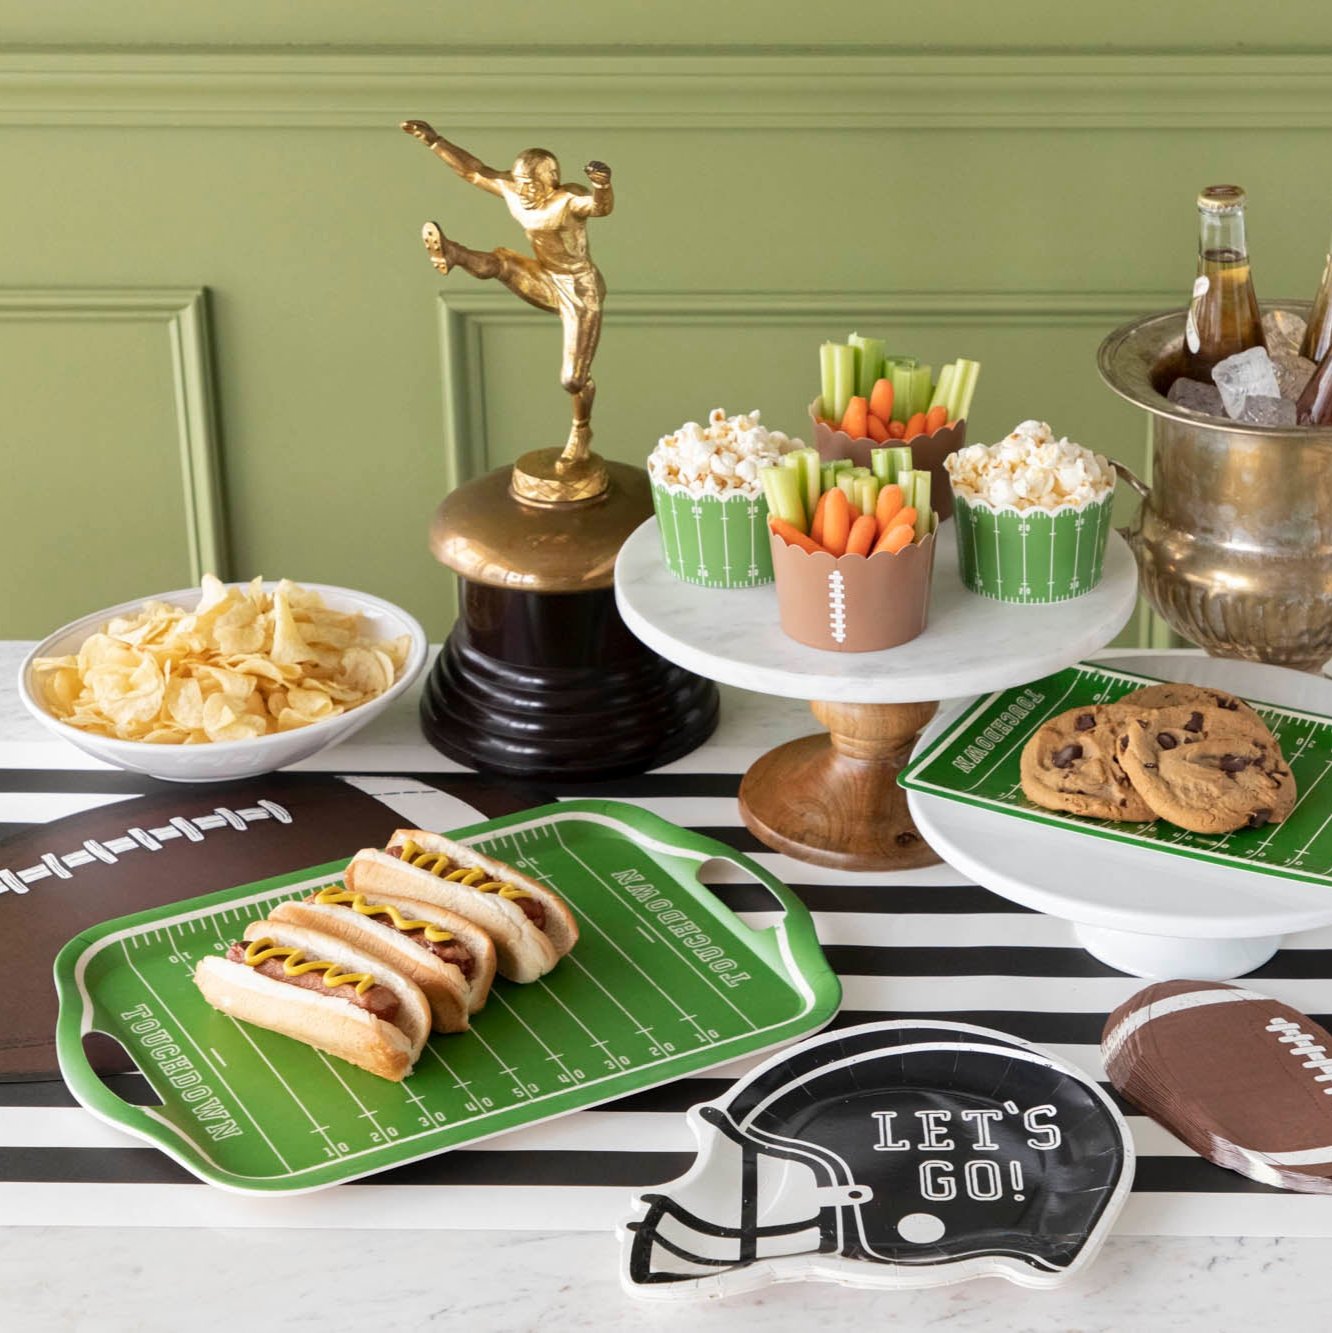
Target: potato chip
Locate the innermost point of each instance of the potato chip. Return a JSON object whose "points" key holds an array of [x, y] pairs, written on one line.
{"points": [[243, 663]]}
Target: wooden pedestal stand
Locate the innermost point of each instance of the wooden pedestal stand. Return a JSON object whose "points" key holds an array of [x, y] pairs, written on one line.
{"points": [[833, 798]]}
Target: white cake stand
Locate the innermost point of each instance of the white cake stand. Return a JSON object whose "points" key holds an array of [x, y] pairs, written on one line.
{"points": [[1137, 909], [833, 798]]}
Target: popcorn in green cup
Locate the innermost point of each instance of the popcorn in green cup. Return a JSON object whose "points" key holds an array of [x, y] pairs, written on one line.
{"points": [[711, 513], [1032, 516]]}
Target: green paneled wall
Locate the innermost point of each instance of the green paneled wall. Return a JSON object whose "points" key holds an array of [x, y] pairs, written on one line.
{"points": [[986, 194]]}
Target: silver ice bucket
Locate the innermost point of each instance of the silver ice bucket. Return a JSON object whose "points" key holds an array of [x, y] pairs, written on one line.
{"points": [[1234, 536]]}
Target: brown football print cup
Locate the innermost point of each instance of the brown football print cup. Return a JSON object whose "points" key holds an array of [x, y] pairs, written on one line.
{"points": [[927, 452], [853, 603]]}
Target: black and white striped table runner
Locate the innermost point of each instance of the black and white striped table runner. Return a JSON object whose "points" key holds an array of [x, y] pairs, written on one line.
{"points": [[916, 943]]}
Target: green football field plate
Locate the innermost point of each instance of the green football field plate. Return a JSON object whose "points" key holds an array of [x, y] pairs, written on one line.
{"points": [[664, 981], [976, 760]]}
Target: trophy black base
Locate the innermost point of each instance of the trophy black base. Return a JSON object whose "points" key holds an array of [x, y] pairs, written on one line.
{"points": [[552, 687]]}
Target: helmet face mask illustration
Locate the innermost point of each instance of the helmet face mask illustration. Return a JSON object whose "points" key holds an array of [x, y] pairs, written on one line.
{"points": [[894, 1154]]}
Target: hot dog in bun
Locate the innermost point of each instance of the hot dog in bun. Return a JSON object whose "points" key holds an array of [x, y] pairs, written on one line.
{"points": [[532, 927], [449, 958], [321, 990]]}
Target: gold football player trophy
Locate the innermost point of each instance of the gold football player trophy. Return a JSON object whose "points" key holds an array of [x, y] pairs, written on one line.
{"points": [[539, 676], [558, 276]]}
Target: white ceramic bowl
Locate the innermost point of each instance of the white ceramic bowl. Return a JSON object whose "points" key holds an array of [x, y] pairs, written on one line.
{"points": [[222, 761]]}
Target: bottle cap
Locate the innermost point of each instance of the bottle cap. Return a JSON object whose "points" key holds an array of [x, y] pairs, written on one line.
{"points": [[1221, 199]]}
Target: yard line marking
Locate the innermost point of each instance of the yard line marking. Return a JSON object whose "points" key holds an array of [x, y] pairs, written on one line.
{"points": [[511, 1070], [1290, 763], [217, 1057], [365, 1110], [645, 935], [461, 1084], [550, 1055], [185, 1033], [1300, 854], [1299, 801], [615, 897], [596, 981], [592, 1037]]}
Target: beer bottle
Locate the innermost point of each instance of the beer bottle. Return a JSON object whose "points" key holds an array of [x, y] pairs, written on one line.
{"points": [[1223, 317], [1314, 407], [1318, 336]]}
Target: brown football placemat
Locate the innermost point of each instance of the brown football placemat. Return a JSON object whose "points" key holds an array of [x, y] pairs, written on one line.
{"points": [[175, 842]]}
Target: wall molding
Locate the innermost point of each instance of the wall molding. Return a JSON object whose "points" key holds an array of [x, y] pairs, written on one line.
{"points": [[628, 88], [183, 313], [464, 315]]}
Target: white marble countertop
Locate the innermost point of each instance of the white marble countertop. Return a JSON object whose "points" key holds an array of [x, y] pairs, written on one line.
{"points": [[142, 1279]]}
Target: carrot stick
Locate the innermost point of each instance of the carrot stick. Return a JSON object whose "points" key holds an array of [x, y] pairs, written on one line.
{"points": [[915, 426], [905, 517], [863, 532], [878, 431], [855, 420], [889, 506], [816, 523], [792, 535], [896, 430], [935, 418], [836, 522], [881, 400], [894, 539]]}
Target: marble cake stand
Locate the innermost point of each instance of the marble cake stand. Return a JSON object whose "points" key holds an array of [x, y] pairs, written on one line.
{"points": [[832, 798]]}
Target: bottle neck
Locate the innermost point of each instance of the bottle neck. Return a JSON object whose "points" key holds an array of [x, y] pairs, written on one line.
{"points": [[1221, 234]]}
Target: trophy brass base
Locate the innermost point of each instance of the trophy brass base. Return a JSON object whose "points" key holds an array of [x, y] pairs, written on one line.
{"points": [[552, 687]]}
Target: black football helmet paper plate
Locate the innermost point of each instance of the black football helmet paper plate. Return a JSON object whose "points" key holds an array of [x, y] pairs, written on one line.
{"points": [[897, 1154]]}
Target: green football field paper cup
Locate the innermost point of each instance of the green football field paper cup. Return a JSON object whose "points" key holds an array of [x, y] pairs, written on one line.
{"points": [[1031, 555], [712, 540]]}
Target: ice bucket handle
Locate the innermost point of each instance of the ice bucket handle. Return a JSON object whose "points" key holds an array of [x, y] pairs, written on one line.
{"points": [[1136, 484]]}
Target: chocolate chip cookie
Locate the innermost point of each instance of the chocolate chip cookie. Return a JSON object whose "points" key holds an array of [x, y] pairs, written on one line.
{"points": [[1072, 764], [1207, 768], [1171, 694]]}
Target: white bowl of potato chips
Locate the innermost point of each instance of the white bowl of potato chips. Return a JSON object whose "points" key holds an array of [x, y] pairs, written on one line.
{"points": [[223, 681]]}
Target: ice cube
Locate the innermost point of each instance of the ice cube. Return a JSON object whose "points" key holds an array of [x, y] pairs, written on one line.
{"points": [[1197, 397], [1260, 410], [1247, 374], [1293, 373], [1283, 331]]}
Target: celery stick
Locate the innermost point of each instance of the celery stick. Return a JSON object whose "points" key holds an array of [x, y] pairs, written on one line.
{"points": [[838, 361], [945, 385], [869, 362], [781, 485], [827, 477], [903, 480], [901, 457], [920, 497], [881, 465], [806, 463], [847, 483], [827, 378], [902, 392], [921, 383], [867, 494], [964, 386], [909, 362]]}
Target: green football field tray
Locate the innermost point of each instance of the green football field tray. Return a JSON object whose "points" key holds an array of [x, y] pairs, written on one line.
{"points": [[665, 980], [977, 760]]}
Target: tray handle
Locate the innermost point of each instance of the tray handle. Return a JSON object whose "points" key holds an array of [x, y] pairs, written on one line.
{"points": [[798, 924], [92, 1092]]}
